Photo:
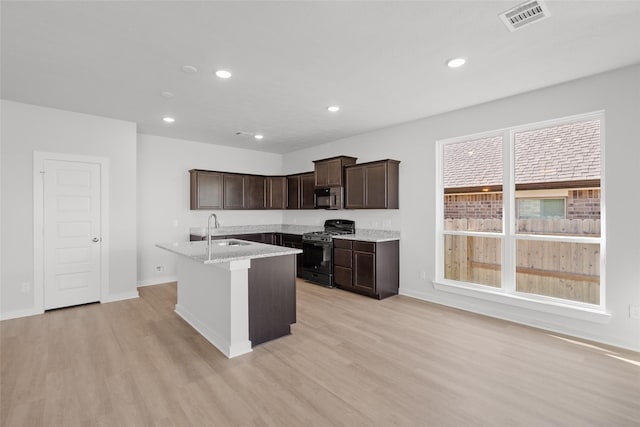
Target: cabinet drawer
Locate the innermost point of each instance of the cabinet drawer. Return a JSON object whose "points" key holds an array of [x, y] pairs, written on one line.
{"points": [[364, 247], [342, 276], [342, 257], [341, 243]]}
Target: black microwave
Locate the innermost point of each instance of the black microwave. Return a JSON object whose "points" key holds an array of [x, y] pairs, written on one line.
{"points": [[328, 198]]}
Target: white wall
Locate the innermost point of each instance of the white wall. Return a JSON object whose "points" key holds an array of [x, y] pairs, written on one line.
{"points": [[163, 192], [163, 196], [413, 144], [28, 128]]}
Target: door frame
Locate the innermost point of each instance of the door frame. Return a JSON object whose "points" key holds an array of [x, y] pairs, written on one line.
{"points": [[39, 158]]}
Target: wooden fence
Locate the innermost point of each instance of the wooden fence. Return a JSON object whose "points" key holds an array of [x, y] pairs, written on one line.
{"points": [[558, 269], [570, 227]]}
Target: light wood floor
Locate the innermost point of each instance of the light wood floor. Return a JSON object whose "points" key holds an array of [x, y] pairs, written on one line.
{"points": [[351, 361]]}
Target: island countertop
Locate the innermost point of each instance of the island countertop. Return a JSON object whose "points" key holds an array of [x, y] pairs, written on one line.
{"points": [[220, 252]]}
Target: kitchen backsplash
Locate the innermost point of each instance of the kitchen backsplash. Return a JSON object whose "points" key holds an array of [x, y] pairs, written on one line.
{"points": [[377, 219]]}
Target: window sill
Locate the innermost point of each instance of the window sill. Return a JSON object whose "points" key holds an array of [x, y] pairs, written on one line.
{"points": [[594, 315]]}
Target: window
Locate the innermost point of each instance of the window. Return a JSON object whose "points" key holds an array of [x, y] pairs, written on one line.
{"points": [[541, 208], [520, 211]]}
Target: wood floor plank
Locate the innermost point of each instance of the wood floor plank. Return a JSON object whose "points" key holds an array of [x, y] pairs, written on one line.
{"points": [[350, 361]]}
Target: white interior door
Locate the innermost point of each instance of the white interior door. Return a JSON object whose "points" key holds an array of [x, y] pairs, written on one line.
{"points": [[72, 235]]}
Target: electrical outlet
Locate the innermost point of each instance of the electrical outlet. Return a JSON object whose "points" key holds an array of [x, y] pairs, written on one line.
{"points": [[634, 311], [175, 223], [160, 268], [25, 287], [423, 275]]}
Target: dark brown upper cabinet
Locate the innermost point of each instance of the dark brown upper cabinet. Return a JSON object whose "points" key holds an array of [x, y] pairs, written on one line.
{"points": [[307, 185], [300, 191], [354, 191], [293, 192], [254, 192], [206, 189], [372, 185], [276, 192], [329, 172], [233, 191]]}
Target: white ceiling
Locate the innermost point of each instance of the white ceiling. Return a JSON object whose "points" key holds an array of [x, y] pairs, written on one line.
{"points": [[382, 62]]}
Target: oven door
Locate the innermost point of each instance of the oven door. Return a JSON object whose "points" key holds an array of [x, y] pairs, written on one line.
{"points": [[316, 257]]}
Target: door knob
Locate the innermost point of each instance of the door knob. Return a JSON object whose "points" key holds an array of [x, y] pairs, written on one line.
{"points": [[95, 239]]}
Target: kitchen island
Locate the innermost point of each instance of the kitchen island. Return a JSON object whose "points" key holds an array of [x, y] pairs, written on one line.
{"points": [[240, 296]]}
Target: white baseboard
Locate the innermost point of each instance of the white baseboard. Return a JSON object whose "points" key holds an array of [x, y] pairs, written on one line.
{"points": [[522, 319], [157, 281], [20, 313], [212, 336], [121, 296], [33, 312]]}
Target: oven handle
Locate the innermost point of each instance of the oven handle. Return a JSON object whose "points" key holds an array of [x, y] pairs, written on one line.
{"points": [[321, 244]]}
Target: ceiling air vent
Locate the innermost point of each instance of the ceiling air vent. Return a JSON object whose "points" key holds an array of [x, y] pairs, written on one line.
{"points": [[525, 14]]}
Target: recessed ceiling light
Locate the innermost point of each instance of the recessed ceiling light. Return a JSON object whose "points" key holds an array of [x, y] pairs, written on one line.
{"points": [[456, 62], [258, 136], [223, 74], [189, 69], [166, 94], [333, 108], [168, 119]]}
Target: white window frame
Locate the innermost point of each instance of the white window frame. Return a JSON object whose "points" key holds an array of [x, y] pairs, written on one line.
{"points": [[507, 293]]}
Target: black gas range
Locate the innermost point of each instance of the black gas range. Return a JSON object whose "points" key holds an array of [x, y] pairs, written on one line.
{"points": [[317, 247]]}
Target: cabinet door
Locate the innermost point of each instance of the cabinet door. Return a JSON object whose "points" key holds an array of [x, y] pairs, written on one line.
{"points": [[254, 192], [276, 192], [306, 193], [334, 173], [274, 239], [233, 191], [364, 271], [206, 190], [322, 174], [293, 192], [355, 193], [376, 186], [343, 277], [342, 258]]}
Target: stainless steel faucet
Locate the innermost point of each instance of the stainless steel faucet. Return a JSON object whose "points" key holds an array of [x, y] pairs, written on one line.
{"points": [[217, 225]]}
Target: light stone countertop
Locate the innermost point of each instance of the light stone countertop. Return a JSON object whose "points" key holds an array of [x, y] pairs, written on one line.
{"points": [[197, 251], [367, 235]]}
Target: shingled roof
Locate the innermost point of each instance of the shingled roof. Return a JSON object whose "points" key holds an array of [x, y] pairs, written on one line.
{"points": [[564, 153]]}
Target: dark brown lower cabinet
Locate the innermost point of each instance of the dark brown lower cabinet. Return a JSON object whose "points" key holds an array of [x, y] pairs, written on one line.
{"points": [[369, 268], [272, 298], [268, 238], [294, 241]]}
